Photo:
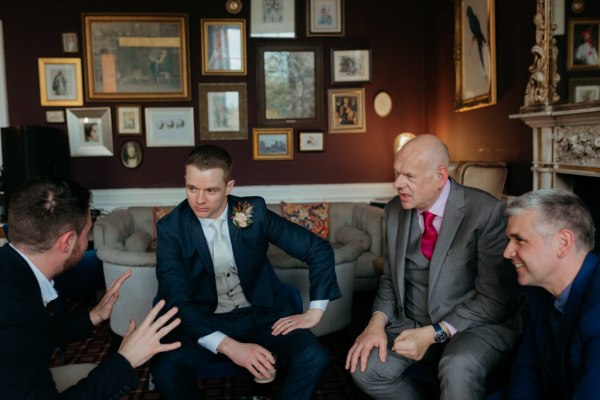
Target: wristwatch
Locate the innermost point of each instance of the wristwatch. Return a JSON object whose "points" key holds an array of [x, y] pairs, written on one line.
{"points": [[440, 336]]}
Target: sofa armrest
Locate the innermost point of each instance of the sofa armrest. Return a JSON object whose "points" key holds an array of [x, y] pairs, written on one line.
{"points": [[116, 227], [369, 219], [117, 255]]}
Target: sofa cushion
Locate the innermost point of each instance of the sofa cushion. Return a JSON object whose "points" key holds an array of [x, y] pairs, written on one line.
{"points": [[139, 241], [158, 213], [312, 216], [349, 234]]}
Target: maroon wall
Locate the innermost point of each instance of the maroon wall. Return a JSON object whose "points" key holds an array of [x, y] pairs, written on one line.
{"points": [[411, 45]]}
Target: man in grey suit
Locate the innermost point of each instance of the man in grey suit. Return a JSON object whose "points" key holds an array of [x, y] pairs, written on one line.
{"points": [[446, 294]]}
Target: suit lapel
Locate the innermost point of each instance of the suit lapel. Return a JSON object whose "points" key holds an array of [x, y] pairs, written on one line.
{"points": [[398, 233], [196, 234], [454, 213]]}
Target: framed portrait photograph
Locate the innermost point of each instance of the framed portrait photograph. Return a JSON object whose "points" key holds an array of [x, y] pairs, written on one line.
{"points": [[129, 120], [290, 85], [169, 126], [223, 47], [223, 111], [60, 81], [273, 19], [131, 154], [70, 43], [475, 50], [347, 111], [136, 57], [582, 90], [582, 44], [90, 131], [311, 142], [325, 18], [272, 144], [55, 116], [350, 66]]}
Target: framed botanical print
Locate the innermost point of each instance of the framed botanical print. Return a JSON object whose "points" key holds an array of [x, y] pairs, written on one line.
{"points": [[325, 18], [223, 47], [273, 19]]}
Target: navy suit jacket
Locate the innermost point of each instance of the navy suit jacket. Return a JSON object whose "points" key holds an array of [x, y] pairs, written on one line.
{"points": [[185, 271], [29, 335], [578, 376]]}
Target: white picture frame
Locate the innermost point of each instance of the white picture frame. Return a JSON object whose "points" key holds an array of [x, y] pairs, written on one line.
{"points": [[129, 120], [350, 66], [90, 132], [273, 19], [311, 142], [169, 126]]}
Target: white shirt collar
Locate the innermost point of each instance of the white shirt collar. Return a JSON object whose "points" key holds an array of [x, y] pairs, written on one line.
{"points": [[46, 287]]}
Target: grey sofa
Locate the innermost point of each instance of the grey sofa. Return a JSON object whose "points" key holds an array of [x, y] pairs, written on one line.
{"points": [[123, 238]]}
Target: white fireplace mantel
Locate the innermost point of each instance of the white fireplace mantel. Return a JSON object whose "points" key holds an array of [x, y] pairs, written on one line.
{"points": [[566, 142]]}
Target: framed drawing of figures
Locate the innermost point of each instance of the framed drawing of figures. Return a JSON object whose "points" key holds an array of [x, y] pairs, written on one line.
{"points": [[223, 111], [60, 81], [290, 85], [474, 54], [223, 47], [584, 36], [130, 57]]}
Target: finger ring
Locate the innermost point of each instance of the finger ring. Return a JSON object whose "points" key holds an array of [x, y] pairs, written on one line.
{"points": [[289, 322]]}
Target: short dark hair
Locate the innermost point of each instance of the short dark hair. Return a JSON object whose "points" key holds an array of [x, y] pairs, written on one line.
{"points": [[44, 208], [558, 209], [209, 156]]}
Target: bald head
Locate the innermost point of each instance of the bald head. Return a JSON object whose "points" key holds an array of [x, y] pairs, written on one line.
{"points": [[421, 169]]}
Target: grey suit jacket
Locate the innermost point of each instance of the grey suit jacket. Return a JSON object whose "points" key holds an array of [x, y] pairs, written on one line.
{"points": [[471, 285]]}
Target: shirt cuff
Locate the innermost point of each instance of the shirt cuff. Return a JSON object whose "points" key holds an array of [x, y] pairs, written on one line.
{"points": [[320, 304], [451, 328], [212, 341]]}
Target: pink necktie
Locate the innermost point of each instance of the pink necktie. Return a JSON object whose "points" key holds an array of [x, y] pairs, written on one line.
{"points": [[430, 235]]}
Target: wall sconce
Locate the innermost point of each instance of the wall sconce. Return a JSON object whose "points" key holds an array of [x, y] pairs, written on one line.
{"points": [[401, 140]]}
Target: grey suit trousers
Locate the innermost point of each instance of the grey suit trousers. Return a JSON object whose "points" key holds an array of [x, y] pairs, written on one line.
{"points": [[464, 364]]}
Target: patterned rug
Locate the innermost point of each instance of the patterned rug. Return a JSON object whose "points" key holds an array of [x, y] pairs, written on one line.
{"points": [[336, 385]]}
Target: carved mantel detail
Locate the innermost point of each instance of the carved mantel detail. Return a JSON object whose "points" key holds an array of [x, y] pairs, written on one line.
{"points": [[579, 145], [541, 87]]}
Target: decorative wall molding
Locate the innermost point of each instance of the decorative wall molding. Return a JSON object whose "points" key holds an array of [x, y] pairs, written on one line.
{"points": [[109, 199], [578, 144]]}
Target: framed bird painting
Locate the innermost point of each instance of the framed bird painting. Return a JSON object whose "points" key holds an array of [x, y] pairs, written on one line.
{"points": [[474, 54]]}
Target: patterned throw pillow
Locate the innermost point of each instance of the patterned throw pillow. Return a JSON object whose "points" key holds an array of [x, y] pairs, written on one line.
{"points": [[157, 213], [314, 217]]}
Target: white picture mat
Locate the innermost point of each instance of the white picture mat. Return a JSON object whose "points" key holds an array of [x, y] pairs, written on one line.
{"points": [[169, 127], [351, 65], [272, 18]]}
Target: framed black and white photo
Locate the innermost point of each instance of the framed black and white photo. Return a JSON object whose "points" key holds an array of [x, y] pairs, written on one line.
{"points": [[350, 66], [131, 154], [70, 42], [90, 131]]}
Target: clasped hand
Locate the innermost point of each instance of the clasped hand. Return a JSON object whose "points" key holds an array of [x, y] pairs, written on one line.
{"points": [[414, 343]]}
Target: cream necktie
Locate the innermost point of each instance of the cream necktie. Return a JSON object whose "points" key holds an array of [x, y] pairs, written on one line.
{"points": [[221, 258]]}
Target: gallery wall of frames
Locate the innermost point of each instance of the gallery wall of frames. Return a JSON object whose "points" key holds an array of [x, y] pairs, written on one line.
{"points": [[298, 91]]}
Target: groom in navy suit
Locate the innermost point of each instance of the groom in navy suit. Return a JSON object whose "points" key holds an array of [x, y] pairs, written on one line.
{"points": [[212, 264], [551, 237]]}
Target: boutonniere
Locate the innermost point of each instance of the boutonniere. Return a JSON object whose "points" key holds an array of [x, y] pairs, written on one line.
{"points": [[242, 215]]}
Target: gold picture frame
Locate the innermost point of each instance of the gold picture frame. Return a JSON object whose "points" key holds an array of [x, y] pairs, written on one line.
{"points": [[272, 144], [136, 57], [582, 55], [347, 111], [474, 54], [223, 46], [60, 81]]}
